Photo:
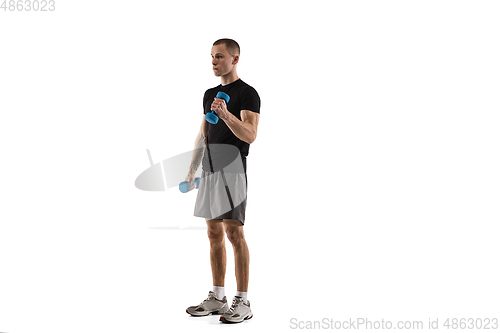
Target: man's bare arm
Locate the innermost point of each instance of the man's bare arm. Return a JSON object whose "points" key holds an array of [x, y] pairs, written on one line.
{"points": [[199, 147], [246, 128]]}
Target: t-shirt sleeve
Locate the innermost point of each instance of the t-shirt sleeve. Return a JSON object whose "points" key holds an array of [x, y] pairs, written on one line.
{"points": [[251, 100]]}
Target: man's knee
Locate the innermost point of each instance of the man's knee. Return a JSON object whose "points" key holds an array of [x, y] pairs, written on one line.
{"points": [[234, 231], [215, 231]]}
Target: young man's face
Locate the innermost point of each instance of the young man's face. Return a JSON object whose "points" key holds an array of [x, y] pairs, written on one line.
{"points": [[222, 62]]}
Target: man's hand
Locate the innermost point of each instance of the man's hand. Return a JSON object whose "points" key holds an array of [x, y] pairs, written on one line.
{"points": [[220, 107], [190, 179]]}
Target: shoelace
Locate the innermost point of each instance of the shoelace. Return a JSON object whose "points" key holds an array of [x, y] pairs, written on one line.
{"points": [[210, 296], [235, 304]]}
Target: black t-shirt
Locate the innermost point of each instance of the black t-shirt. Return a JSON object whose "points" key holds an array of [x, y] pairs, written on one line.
{"points": [[241, 97]]}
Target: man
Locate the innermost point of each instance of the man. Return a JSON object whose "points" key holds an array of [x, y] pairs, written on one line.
{"points": [[237, 127]]}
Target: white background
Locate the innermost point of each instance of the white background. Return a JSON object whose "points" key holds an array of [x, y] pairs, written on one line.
{"points": [[373, 182]]}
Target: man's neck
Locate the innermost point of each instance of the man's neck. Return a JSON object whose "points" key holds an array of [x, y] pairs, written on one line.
{"points": [[230, 78]]}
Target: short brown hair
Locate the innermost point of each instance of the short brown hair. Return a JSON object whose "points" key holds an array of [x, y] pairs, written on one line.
{"points": [[231, 46]]}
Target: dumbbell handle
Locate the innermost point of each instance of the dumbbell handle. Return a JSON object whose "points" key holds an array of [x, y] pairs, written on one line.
{"points": [[211, 117], [186, 187]]}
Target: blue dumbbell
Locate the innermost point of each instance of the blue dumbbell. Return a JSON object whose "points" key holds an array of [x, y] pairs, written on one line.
{"points": [[186, 187], [212, 117]]}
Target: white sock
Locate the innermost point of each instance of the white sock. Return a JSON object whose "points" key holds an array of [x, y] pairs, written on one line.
{"points": [[219, 292], [242, 294]]}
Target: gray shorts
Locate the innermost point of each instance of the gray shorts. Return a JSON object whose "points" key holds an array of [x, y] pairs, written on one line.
{"points": [[222, 195]]}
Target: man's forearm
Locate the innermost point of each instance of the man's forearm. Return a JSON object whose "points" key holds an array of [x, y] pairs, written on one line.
{"points": [[199, 149], [243, 131]]}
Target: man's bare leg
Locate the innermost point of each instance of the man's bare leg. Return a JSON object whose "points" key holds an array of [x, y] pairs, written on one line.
{"points": [[217, 251], [234, 231]]}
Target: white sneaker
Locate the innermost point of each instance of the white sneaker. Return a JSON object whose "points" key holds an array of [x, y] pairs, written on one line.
{"points": [[238, 311], [212, 305]]}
